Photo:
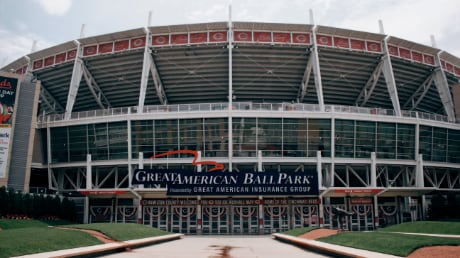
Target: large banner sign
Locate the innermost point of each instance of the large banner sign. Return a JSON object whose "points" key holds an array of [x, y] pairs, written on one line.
{"points": [[186, 182], [7, 101]]}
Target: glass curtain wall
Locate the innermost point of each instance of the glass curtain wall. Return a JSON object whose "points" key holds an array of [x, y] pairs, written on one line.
{"points": [[275, 137]]}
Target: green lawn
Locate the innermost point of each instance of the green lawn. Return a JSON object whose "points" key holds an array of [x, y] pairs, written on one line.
{"points": [[123, 232], [388, 241], [22, 241], [299, 231], [21, 237]]}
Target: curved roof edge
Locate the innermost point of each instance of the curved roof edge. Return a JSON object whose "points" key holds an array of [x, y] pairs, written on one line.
{"points": [[185, 28]]}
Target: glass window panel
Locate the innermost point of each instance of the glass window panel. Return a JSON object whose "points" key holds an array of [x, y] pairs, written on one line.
{"points": [[244, 137], [453, 147], [425, 142], [319, 137], [386, 140], [98, 141], [439, 144], [59, 145], [118, 140], [215, 137], [365, 139], [166, 134], [344, 138], [406, 141], [295, 137], [142, 138], [191, 134], [78, 143], [269, 137]]}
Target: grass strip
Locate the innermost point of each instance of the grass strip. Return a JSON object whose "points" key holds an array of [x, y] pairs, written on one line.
{"points": [[387, 242], [299, 231], [30, 240], [427, 227], [122, 231]]}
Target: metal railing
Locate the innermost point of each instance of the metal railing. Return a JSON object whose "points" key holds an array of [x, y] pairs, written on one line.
{"points": [[240, 106]]}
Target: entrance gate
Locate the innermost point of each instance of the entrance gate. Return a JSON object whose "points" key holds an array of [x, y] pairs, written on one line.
{"points": [[363, 217], [156, 216], [183, 219], [305, 216], [245, 219], [276, 218], [215, 219]]}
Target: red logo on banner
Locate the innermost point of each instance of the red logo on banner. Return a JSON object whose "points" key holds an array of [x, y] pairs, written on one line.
{"points": [[121, 45], [393, 50], [38, 64], [90, 50], [106, 47], [341, 42], [357, 44], [60, 58], [404, 53], [457, 71], [217, 166], [374, 46], [160, 40], [262, 36], [281, 37], [218, 36], [199, 37], [324, 40], [179, 39], [137, 43], [71, 54], [428, 59], [300, 38], [417, 56], [243, 36], [49, 61]]}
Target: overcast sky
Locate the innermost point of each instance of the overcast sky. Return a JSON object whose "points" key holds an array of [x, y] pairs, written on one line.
{"points": [[51, 22]]}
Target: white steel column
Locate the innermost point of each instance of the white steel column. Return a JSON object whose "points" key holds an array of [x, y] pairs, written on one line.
{"points": [[230, 89], [141, 160], [316, 71], [77, 74], [390, 78], [260, 166], [419, 172], [319, 169], [145, 72], [89, 172], [373, 182], [130, 169], [440, 81]]}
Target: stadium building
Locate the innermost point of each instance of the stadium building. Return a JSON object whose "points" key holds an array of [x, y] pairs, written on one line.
{"points": [[235, 127]]}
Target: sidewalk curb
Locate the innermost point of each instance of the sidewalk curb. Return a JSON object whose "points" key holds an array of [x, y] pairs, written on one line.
{"points": [[310, 245], [96, 250], [328, 249]]}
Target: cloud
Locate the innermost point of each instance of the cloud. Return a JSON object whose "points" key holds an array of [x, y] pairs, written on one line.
{"points": [[18, 45], [56, 7]]}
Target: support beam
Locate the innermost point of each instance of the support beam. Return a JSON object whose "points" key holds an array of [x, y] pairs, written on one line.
{"points": [[316, 71], [419, 94], [157, 81], [369, 88], [50, 102], [440, 81], [145, 72], [77, 73], [95, 89], [305, 79], [390, 79]]}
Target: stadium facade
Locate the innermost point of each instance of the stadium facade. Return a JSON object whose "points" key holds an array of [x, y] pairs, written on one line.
{"points": [[237, 127]]}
